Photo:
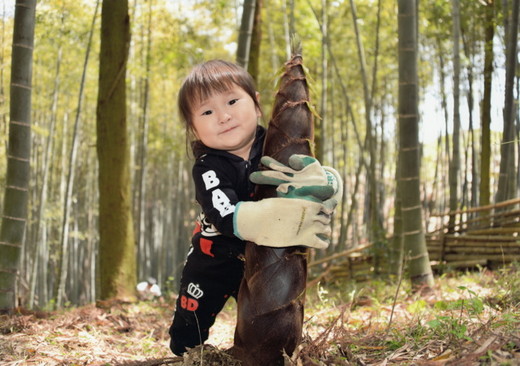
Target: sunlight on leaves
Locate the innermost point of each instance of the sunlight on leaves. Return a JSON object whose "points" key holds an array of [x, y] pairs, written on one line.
{"points": [[417, 307]]}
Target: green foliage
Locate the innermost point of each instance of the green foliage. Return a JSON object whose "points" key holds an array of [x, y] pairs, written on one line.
{"points": [[508, 285], [457, 312], [170, 286], [473, 305], [455, 315], [417, 307], [446, 326]]}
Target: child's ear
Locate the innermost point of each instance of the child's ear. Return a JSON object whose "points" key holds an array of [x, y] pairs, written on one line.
{"points": [[193, 131]]}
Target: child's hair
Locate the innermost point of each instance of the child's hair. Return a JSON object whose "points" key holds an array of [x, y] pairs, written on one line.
{"points": [[214, 76]]}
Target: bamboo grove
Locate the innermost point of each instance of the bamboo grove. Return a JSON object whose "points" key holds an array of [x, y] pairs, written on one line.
{"points": [[467, 75]]}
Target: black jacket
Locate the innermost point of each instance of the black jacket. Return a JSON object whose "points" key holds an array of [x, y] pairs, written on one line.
{"points": [[221, 180]]}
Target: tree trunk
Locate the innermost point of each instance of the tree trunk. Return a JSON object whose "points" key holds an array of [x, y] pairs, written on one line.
{"points": [[507, 178], [444, 106], [272, 45], [288, 24], [375, 231], [409, 160], [272, 294], [116, 236], [455, 156], [143, 265], [246, 32], [343, 228], [469, 54], [3, 118], [322, 147], [92, 249], [485, 110], [16, 194], [67, 205], [397, 254], [42, 201], [517, 102], [362, 147], [256, 40], [378, 227]]}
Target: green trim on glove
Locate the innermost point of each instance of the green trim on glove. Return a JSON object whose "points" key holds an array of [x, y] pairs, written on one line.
{"points": [[304, 176]]}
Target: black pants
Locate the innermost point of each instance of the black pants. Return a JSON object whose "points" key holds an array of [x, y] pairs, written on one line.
{"points": [[209, 279]]}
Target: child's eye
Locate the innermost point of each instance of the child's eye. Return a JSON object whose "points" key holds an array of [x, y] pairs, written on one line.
{"points": [[233, 101], [206, 113]]}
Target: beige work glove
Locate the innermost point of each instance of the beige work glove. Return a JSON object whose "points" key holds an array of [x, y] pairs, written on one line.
{"points": [[284, 222]]}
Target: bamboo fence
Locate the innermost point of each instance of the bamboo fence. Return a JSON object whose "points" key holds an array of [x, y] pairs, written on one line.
{"points": [[482, 236], [487, 236]]}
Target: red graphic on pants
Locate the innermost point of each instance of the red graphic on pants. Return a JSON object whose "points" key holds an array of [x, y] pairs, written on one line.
{"points": [[191, 302], [188, 303]]}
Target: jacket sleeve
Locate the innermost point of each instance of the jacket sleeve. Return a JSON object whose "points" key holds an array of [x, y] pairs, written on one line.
{"points": [[216, 194]]}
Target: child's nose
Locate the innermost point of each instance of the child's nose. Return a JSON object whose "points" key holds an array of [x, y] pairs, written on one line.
{"points": [[224, 117]]}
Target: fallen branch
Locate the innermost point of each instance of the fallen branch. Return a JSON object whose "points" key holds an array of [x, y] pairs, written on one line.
{"points": [[344, 253]]}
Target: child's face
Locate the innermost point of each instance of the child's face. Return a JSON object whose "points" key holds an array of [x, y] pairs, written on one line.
{"points": [[227, 121]]}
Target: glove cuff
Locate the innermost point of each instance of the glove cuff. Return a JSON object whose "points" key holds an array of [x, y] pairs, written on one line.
{"points": [[235, 220]]}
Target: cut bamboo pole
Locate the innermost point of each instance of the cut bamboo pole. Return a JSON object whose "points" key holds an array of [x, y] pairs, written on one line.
{"points": [[497, 230], [472, 244], [489, 238], [480, 250], [459, 264], [478, 209], [491, 257]]}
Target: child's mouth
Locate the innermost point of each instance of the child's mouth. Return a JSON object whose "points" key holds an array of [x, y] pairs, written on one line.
{"points": [[228, 130]]}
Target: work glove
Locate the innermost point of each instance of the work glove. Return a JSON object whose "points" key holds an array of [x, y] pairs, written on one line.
{"points": [[284, 222], [303, 176]]}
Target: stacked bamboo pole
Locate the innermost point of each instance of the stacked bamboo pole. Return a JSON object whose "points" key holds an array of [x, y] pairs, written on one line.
{"points": [[489, 239], [471, 243]]}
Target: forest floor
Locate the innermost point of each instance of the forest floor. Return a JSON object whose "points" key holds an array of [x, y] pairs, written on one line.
{"points": [[470, 318]]}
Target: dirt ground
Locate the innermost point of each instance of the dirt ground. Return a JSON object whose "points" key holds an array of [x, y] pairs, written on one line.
{"points": [[335, 333]]}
